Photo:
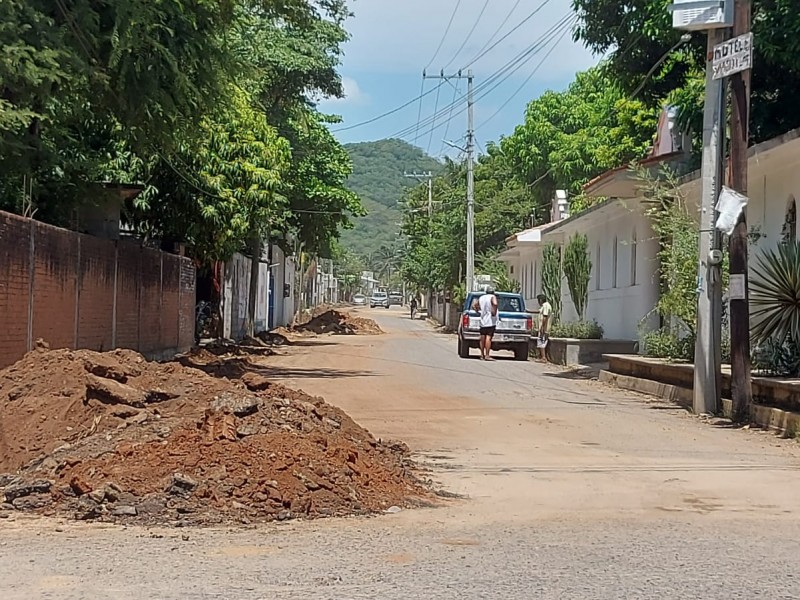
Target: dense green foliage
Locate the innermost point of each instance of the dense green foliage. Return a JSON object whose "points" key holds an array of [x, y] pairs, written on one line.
{"points": [[636, 34], [569, 137], [378, 179], [206, 103], [775, 295], [435, 251], [578, 330]]}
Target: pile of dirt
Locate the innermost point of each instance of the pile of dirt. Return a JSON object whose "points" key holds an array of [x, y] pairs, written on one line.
{"points": [[113, 437], [340, 323]]}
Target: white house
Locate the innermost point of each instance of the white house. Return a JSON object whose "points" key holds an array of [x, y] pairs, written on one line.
{"points": [[624, 286]]}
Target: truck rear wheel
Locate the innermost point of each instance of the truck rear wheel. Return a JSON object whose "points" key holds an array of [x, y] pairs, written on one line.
{"points": [[463, 348], [521, 352]]}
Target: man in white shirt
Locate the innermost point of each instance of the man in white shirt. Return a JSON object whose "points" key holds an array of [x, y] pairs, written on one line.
{"points": [[487, 304], [545, 310]]}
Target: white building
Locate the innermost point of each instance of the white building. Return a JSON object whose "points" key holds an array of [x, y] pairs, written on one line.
{"points": [[276, 302], [624, 286]]}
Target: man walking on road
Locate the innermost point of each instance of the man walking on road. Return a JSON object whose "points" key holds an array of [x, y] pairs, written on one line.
{"points": [[545, 310], [487, 305]]}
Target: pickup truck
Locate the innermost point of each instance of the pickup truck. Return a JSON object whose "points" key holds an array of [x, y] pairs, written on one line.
{"points": [[514, 326]]}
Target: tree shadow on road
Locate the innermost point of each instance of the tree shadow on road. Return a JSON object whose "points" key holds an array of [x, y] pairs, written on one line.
{"points": [[237, 367]]}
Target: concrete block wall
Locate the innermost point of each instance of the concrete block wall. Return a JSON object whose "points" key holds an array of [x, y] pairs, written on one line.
{"points": [[78, 291]]}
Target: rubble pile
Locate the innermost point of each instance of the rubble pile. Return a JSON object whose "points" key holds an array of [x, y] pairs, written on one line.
{"points": [[341, 323], [111, 436]]}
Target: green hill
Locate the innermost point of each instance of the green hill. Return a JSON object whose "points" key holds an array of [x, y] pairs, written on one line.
{"points": [[378, 179]]}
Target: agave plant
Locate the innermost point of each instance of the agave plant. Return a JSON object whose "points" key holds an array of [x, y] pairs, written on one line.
{"points": [[775, 295]]}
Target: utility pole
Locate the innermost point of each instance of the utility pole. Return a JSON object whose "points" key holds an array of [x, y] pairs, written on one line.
{"points": [[707, 374], [428, 177], [470, 187], [713, 16], [741, 392], [470, 152]]}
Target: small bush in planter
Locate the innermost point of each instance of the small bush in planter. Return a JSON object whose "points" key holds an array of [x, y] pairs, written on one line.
{"points": [[579, 330], [663, 343]]}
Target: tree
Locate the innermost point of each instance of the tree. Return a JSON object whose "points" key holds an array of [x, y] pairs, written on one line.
{"points": [[636, 34], [551, 278], [578, 272], [569, 137]]}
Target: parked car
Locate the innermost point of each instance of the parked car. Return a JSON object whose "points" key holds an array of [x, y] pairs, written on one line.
{"points": [[396, 299], [379, 299], [360, 300], [514, 326]]}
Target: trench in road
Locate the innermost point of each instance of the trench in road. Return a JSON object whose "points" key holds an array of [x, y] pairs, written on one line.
{"points": [[530, 438]]}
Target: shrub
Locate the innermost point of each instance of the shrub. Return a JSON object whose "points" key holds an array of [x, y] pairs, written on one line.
{"points": [[578, 271], [579, 330], [663, 343]]}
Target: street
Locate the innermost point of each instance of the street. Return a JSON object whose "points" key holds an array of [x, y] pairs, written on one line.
{"points": [[554, 487]]}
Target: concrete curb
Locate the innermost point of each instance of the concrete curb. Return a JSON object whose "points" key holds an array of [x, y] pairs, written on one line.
{"points": [[782, 421]]}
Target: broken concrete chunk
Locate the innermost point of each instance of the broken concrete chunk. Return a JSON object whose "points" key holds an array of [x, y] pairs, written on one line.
{"points": [[109, 391], [124, 511], [181, 485], [32, 502], [26, 488], [241, 406]]}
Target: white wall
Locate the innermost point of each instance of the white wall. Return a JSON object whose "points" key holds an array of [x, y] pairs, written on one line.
{"points": [[623, 289], [235, 294]]}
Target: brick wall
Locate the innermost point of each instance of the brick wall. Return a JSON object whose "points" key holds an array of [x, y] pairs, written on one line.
{"points": [[77, 291]]}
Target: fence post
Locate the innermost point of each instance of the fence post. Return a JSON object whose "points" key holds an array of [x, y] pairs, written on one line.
{"points": [[31, 275], [114, 297], [77, 314]]}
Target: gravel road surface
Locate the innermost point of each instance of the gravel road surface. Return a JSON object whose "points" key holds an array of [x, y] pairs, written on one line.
{"points": [[567, 489]]}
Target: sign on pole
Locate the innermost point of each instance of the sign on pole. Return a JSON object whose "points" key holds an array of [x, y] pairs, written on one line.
{"points": [[732, 56]]}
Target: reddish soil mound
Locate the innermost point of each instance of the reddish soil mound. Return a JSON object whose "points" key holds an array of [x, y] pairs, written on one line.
{"points": [[112, 436], [342, 323]]}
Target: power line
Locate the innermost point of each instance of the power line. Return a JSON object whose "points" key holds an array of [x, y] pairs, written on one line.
{"points": [[389, 112], [529, 77], [503, 24], [435, 108], [449, 117], [498, 42], [469, 35], [419, 112], [500, 76], [446, 31]]}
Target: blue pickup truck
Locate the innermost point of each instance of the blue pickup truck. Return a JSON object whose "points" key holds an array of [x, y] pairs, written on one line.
{"points": [[514, 326]]}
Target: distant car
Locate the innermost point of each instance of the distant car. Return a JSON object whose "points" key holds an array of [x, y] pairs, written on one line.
{"points": [[360, 300], [379, 299], [396, 299]]}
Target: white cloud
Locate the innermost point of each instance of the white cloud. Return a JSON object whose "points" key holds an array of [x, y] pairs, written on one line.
{"points": [[353, 94], [394, 36]]}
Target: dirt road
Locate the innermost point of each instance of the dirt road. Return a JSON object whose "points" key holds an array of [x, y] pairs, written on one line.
{"points": [[570, 490]]}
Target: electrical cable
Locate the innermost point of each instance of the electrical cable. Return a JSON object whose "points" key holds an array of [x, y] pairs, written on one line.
{"points": [[498, 42], [435, 108], [419, 112], [389, 112], [469, 35], [500, 28], [449, 118], [528, 78], [446, 31], [499, 77]]}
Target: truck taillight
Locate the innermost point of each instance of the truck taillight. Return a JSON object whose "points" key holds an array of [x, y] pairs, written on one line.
{"points": [[529, 323], [465, 320]]}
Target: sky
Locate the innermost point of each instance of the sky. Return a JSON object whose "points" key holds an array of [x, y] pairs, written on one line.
{"points": [[392, 41]]}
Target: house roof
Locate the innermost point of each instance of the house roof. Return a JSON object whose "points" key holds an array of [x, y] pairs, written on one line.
{"points": [[620, 182], [529, 236]]}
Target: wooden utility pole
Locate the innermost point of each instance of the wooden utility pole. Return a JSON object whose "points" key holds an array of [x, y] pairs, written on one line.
{"points": [[741, 392]]}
